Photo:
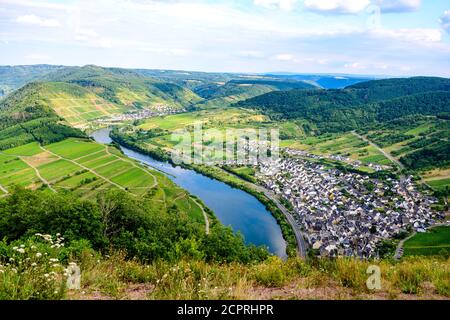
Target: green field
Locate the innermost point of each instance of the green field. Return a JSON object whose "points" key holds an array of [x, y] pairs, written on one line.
{"points": [[345, 144], [434, 242], [85, 168]]}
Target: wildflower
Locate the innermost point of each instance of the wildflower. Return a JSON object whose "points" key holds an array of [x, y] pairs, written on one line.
{"points": [[21, 250], [2, 271], [38, 255], [46, 275], [11, 259], [55, 265], [53, 260], [34, 264], [15, 248], [22, 246]]}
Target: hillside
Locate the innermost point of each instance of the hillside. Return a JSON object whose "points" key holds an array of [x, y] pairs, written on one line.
{"points": [[83, 94], [223, 95], [125, 87], [337, 81], [357, 106], [25, 116]]}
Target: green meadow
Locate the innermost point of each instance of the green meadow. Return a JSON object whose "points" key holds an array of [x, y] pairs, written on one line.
{"points": [[433, 243]]}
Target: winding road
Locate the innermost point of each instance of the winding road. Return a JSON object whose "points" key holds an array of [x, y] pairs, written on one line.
{"points": [[386, 154]]}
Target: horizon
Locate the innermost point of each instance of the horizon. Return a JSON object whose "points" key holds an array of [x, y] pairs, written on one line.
{"points": [[394, 38], [268, 74]]}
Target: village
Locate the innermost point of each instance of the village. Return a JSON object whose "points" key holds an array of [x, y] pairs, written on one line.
{"points": [[346, 214], [155, 111]]}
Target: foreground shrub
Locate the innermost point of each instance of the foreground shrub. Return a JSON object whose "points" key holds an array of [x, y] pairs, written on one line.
{"points": [[32, 269]]}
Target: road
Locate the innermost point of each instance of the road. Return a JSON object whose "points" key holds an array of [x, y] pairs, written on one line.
{"points": [[205, 215], [386, 154], [301, 244], [399, 251]]}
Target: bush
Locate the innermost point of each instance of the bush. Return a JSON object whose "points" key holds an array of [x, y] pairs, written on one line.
{"points": [[32, 269]]}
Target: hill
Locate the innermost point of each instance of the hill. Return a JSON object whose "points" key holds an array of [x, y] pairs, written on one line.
{"points": [[337, 81], [14, 77], [223, 95], [223, 89], [82, 94], [359, 105], [125, 87], [25, 116]]}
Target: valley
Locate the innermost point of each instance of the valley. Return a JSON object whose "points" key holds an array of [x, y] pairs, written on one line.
{"points": [[359, 167]]}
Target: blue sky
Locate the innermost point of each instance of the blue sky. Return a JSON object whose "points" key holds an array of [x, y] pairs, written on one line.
{"points": [[383, 37]]}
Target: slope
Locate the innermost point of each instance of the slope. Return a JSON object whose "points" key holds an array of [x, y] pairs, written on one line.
{"points": [[357, 106]]}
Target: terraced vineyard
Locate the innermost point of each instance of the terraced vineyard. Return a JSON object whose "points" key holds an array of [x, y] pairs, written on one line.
{"points": [[82, 107], [86, 168]]}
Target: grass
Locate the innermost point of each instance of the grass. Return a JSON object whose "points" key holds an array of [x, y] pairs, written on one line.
{"points": [[433, 243], [115, 278]]}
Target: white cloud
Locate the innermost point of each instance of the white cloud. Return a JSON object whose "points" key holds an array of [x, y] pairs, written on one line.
{"points": [[355, 66], [445, 21], [285, 57], [398, 5], [412, 35], [277, 4], [38, 21], [250, 54], [337, 6], [37, 57]]}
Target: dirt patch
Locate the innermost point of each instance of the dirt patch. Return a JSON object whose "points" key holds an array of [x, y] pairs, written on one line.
{"points": [[39, 159]]}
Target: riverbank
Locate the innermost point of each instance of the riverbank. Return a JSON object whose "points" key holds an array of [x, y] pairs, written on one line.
{"points": [[234, 182]]}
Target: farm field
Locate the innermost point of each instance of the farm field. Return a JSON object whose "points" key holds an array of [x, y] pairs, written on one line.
{"points": [[434, 242], [230, 117], [86, 168], [339, 144]]}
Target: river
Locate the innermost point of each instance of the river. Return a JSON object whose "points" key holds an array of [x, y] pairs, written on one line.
{"points": [[233, 207]]}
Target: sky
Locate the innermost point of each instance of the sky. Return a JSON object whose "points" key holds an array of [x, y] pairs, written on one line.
{"points": [[370, 37]]}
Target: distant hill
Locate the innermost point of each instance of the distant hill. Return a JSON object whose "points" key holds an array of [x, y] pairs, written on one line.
{"points": [[223, 89], [359, 105], [325, 81], [14, 77], [223, 95]]}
